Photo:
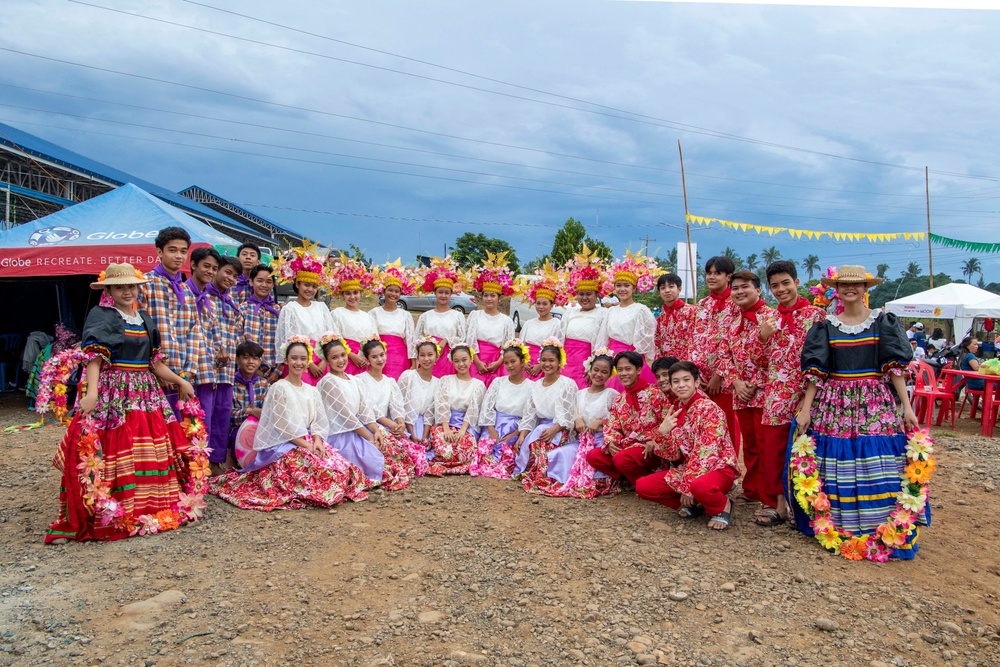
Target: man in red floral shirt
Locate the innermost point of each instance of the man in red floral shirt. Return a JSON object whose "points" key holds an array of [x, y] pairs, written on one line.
{"points": [[783, 338], [715, 315], [675, 325], [748, 366]]}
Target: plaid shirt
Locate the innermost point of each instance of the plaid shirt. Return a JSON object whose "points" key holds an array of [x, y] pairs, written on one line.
{"points": [[241, 397], [176, 323], [201, 342], [224, 334], [260, 327]]}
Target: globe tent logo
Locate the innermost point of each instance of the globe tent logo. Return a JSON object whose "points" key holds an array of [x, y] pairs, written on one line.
{"points": [[53, 236]]}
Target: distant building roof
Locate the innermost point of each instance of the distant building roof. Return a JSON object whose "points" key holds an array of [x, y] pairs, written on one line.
{"points": [[41, 149], [215, 202]]}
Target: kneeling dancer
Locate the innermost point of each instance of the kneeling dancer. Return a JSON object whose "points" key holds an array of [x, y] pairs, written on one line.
{"points": [[695, 436]]}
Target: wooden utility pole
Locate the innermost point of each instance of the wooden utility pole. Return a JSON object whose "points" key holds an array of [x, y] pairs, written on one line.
{"points": [[645, 244], [687, 228], [930, 255]]}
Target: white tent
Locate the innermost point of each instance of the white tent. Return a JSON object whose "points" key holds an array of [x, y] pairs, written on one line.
{"points": [[959, 302]]}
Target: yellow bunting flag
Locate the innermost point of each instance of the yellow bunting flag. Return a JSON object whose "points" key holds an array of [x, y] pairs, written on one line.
{"points": [[872, 237]]}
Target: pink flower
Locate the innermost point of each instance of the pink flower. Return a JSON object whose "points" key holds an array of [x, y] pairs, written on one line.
{"points": [[821, 503], [148, 525], [190, 505], [804, 465], [875, 551], [902, 518]]}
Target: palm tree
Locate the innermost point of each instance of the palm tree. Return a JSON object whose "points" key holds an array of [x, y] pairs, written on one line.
{"points": [[751, 262], [735, 257], [970, 268], [769, 255], [811, 265], [882, 268], [912, 270]]}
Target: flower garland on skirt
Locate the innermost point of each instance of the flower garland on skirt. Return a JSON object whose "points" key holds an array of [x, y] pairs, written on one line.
{"points": [[109, 512], [901, 522], [52, 387]]}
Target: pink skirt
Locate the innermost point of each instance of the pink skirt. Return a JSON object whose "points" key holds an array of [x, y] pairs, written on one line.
{"points": [[577, 352], [352, 368], [488, 353], [443, 366], [533, 352], [307, 376], [397, 357], [646, 373]]}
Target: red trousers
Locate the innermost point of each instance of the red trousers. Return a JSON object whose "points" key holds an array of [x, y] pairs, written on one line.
{"points": [[772, 463], [708, 490], [752, 432], [629, 463], [724, 399]]}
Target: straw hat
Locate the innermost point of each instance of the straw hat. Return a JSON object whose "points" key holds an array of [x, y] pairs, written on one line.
{"points": [[119, 274], [851, 273]]}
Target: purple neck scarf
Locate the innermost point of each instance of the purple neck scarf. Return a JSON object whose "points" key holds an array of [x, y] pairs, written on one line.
{"points": [[222, 295], [266, 303], [176, 281], [246, 383], [200, 297]]}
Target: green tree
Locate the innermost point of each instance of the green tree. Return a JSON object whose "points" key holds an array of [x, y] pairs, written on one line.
{"points": [[769, 255], [569, 241], [970, 267], [734, 256], [912, 271], [882, 268], [470, 250], [751, 262], [359, 254], [810, 265]]}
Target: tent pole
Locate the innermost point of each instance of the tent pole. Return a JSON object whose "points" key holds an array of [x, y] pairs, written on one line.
{"points": [[930, 255]]}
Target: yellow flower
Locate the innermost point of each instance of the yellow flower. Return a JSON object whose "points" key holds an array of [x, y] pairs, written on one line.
{"points": [[830, 539], [803, 446], [808, 486], [919, 472]]}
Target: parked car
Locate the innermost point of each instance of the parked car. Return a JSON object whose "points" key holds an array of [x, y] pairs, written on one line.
{"points": [[461, 301]]}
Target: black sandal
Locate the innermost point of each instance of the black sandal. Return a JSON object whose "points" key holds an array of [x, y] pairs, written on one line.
{"points": [[769, 518], [725, 517], [691, 512]]}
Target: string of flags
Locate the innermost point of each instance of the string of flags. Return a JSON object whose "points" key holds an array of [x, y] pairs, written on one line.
{"points": [[871, 237]]}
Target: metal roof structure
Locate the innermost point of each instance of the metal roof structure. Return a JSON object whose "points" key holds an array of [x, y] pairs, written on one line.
{"points": [[259, 222], [38, 177]]}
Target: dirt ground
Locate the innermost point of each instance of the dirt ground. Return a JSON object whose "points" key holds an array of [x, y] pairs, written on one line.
{"points": [[462, 571]]}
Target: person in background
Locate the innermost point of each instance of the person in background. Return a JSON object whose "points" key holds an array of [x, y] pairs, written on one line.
{"points": [[248, 255], [937, 339], [919, 335], [715, 317], [675, 325], [260, 315], [394, 324], [304, 316], [542, 296], [456, 406], [163, 298], [918, 353], [249, 388], [352, 280], [444, 325], [970, 362], [578, 329]]}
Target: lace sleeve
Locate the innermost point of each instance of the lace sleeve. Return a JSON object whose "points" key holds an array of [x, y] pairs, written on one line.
{"points": [[285, 329], [281, 419], [442, 401], [408, 392], [508, 331], [366, 407], [472, 330], [530, 417], [340, 404], [488, 413], [475, 402], [396, 410], [409, 335], [319, 425], [645, 334], [565, 403], [602, 337], [458, 326]]}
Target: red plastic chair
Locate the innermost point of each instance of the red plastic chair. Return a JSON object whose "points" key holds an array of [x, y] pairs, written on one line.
{"points": [[977, 396], [927, 392]]}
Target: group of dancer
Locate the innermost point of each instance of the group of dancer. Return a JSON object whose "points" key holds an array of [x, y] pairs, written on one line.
{"points": [[304, 406]]}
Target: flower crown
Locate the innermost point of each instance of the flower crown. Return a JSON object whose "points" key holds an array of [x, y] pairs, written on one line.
{"points": [[552, 341], [826, 297], [551, 285], [587, 273], [638, 270], [350, 274], [393, 273], [428, 339], [603, 352], [365, 341], [441, 273], [302, 263], [305, 340], [330, 337], [463, 346], [516, 342], [494, 275]]}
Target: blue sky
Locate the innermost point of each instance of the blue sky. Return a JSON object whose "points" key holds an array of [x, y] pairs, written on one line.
{"points": [[377, 153]]}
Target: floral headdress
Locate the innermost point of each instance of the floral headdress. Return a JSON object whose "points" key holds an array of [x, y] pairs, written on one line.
{"points": [[587, 273], [443, 272], [350, 274], [365, 341], [519, 344], [494, 275], [463, 346], [393, 273], [638, 270], [305, 340], [550, 285], [302, 263], [119, 274], [330, 337], [428, 339], [603, 352], [825, 293], [552, 341]]}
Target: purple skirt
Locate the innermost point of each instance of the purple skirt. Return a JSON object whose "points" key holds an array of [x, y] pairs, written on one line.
{"points": [[361, 453], [524, 454], [561, 459]]}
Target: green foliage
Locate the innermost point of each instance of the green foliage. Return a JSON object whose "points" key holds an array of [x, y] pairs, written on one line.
{"points": [[810, 264], [359, 254], [753, 262], [769, 255], [735, 257], [470, 250], [905, 286], [569, 241], [882, 268]]}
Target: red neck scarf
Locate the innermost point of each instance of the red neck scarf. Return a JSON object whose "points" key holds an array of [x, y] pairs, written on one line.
{"points": [[751, 313], [632, 393], [672, 309], [786, 313], [720, 299], [682, 416]]}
